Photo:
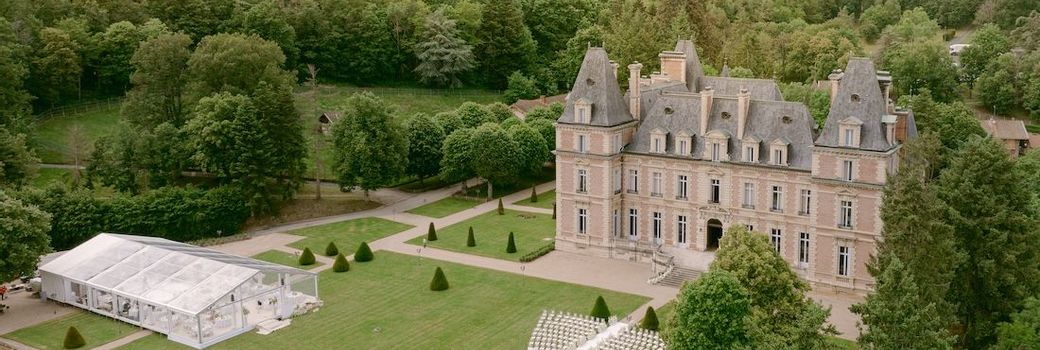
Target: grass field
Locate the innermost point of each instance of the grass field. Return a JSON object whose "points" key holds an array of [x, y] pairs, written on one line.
{"points": [[347, 234], [51, 135], [302, 208], [386, 304], [96, 330], [480, 190], [545, 200], [45, 176], [287, 259], [445, 207], [531, 231]]}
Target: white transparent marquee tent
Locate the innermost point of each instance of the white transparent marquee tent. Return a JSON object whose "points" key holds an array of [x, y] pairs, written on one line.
{"points": [[196, 296]]}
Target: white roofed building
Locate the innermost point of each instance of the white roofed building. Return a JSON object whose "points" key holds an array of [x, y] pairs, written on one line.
{"points": [[196, 296]]}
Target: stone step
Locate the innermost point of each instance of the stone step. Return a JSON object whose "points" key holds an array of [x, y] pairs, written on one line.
{"points": [[678, 276]]}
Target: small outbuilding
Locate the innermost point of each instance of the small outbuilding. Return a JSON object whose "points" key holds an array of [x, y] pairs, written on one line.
{"points": [[194, 295], [325, 121]]}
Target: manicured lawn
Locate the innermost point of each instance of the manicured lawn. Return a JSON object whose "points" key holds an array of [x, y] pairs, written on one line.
{"points": [[51, 135], [347, 234], [96, 330], [287, 259], [445, 207], [479, 190], [531, 231], [545, 200], [386, 304]]}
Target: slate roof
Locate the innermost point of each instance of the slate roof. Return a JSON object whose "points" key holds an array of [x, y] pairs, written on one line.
{"points": [[868, 105], [597, 84], [694, 71], [760, 89]]}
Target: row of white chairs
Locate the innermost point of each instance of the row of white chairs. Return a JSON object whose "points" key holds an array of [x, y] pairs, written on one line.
{"points": [[634, 339]]}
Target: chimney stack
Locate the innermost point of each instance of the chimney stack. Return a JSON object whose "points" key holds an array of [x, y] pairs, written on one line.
{"points": [[634, 97], [835, 77], [743, 104], [707, 96]]}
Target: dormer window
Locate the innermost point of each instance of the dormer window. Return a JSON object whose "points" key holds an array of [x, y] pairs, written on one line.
{"points": [[716, 143], [583, 111], [850, 132], [683, 143], [658, 140], [779, 152], [750, 150]]}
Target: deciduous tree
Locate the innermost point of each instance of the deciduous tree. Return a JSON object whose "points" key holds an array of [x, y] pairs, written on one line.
{"points": [[370, 146], [505, 45], [712, 312], [23, 237], [425, 146]]}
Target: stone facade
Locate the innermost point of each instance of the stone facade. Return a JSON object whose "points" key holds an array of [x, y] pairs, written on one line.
{"points": [[667, 167]]}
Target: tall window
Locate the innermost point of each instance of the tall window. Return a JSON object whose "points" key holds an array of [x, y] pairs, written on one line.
{"points": [[681, 186], [846, 170], [778, 157], [749, 195], [657, 225], [805, 203], [583, 177], [843, 260], [582, 144], [774, 239], [683, 148], [681, 229], [617, 223], [778, 199], [716, 190], [617, 180], [847, 140], [749, 154], [615, 143], [715, 151], [658, 148], [633, 181], [583, 220], [803, 249], [750, 227], [633, 222], [655, 189], [845, 221]]}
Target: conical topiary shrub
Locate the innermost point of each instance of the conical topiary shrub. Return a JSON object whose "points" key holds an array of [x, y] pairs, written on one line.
{"points": [[363, 253], [534, 195], [431, 234], [501, 209], [73, 340], [554, 211], [307, 258], [331, 249], [439, 282], [511, 245], [470, 240], [649, 320], [600, 310], [341, 264]]}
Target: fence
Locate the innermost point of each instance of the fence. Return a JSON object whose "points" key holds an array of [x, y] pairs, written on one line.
{"points": [[79, 108], [326, 90]]}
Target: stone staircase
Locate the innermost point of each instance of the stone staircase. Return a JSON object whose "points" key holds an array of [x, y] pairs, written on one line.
{"points": [[678, 276]]}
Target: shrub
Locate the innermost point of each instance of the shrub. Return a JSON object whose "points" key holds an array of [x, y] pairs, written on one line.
{"points": [[529, 257], [439, 282], [363, 253], [520, 87], [554, 211], [470, 240], [341, 264], [331, 249], [74, 340], [511, 245], [431, 234], [534, 195], [307, 258], [649, 320], [501, 209], [600, 310]]}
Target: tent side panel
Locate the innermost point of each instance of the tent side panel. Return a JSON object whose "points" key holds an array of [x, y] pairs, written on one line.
{"points": [[52, 287]]}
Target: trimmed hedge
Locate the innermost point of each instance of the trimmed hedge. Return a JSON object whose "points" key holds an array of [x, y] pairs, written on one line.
{"points": [[649, 320], [431, 234], [511, 245], [554, 211], [501, 209], [439, 282], [532, 256], [331, 249], [363, 253], [600, 310], [470, 240], [73, 340], [341, 264], [307, 257], [534, 195]]}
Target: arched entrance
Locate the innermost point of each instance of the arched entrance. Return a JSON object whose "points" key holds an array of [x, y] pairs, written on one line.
{"points": [[714, 233]]}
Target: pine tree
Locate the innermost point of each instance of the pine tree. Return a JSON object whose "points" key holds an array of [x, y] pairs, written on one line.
{"points": [[439, 282], [307, 257], [649, 320], [74, 340], [443, 55], [506, 44], [600, 309], [898, 316], [364, 253], [501, 209], [431, 234], [331, 249], [341, 264], [534, 195], [470, 240], [511, 245]]}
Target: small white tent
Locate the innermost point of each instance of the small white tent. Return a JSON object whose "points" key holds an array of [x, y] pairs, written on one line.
{"points": [[196, 296]]}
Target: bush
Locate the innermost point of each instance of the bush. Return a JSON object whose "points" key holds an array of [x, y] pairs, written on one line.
{"points": [[529, 257], [341, 264], [307, 258], [439, 282], [470, 240], [431, 234], [534, 195], [519, 87], [331, 249], [501, 209], [511, 245], [949, 34], [74, 340], [600, 309], [649, 319], [363, 253], [554, 211]]}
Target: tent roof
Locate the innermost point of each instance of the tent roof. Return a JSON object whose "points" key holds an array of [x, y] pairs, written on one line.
{"points": [[159, 271]]}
